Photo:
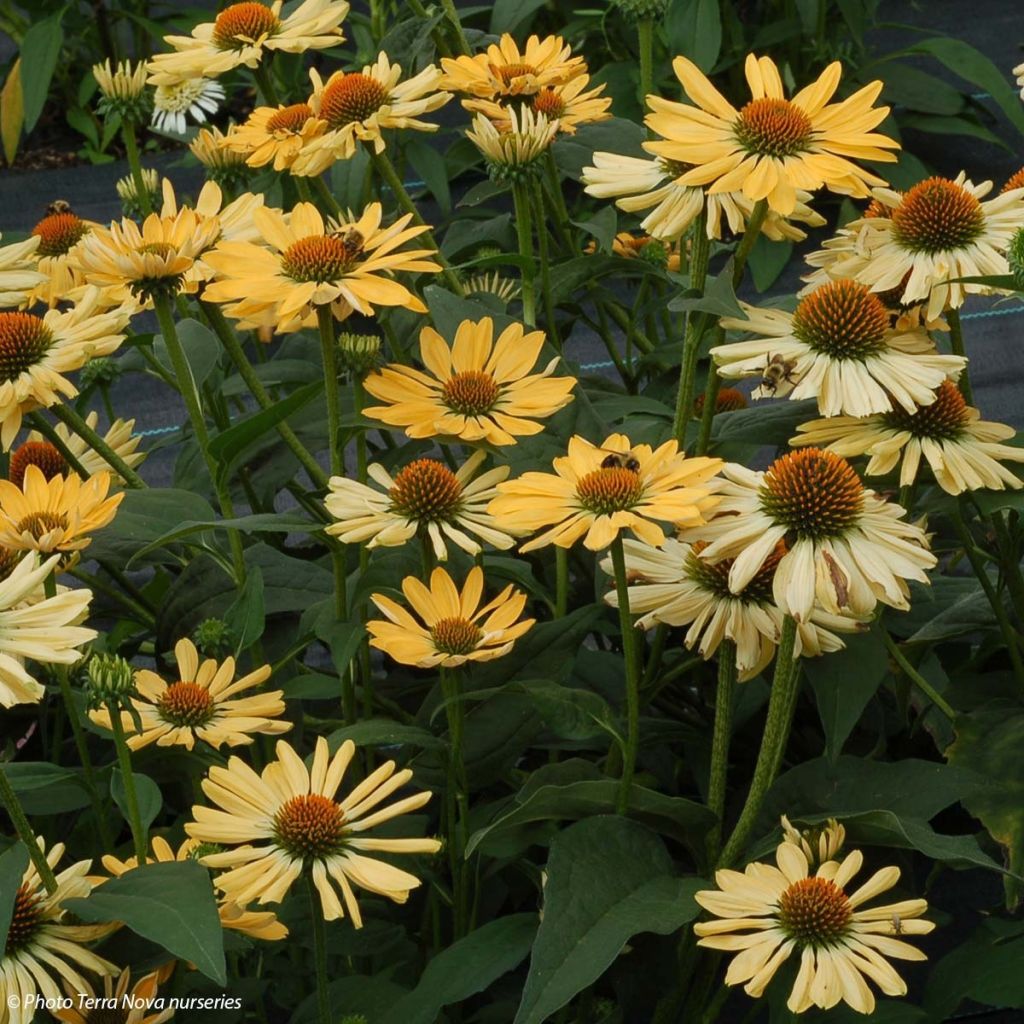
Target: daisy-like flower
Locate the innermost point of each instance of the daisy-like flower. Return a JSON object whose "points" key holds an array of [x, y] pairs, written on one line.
{"points": [[174, 104], [59, 232], [820, 843], [132, 1002], [766, 913], [36, 352], [847, 548], [452, 627], [57, 515], [838, 347], [1014, 181], [288, 819], [257, 924], [359, 106], [494, 283], [307, 263], [596, 491], [423, 497], [675, 586], [505, 70], [18, 273], [479, 389], [727, 400], [570, 104], [964, 452], [275, 135], [41, 947], [657, 184], [243, 33], [774, 145], [224, 165], [514, 154], [932, 234], [44, 629], [202, 703]]}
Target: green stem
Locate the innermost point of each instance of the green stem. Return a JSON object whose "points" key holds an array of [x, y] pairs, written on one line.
{"points": [[124, 760], [785, 685], [451, 691], [448, 6], [193, 403], [537, 195], [332, 204], [695, 326], [720, 743], [133, 608], [561, 582], [656, 653], [916, 678], [629, 653], [556, 198], [46, 429], [707, 414], [131, 149], [956, 341], [750, 233], [266, 85], [247, 372], [329, 356], [17, 815], [1010, 562], [316, 915], [645, 44], [67, 415], [524, 230], [383, 165]]}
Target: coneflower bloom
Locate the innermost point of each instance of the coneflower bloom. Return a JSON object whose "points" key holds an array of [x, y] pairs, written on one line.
{"points": [[504, 70], [18, 273]]}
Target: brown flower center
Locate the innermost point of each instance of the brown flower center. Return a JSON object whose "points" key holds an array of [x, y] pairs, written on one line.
{"points": [[321, 258], [842, 319], [814, 493], [58, 232], [8, 560], [290, 119], [310, 826], [25, 921], [814, 912], [240, 24], [508, 73], [550, 103], [351, 98], [472, 392], [943, 420], [186, 704], [1016, 180], [727, 400], [609, 489], [455, 635], [426, 490], [937, 215], [24, 340], [714, 577], [39, 524], [157, 249], [876, 209], [773, 127], [36, 453]]}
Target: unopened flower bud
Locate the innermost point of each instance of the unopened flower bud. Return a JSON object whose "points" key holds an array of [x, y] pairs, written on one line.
{"points": [[129, 196], [358, 353], [637, 10], [110, 679], [214, 638]]}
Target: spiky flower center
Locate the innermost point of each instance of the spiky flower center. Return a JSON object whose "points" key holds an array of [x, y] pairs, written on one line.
{"points": [[24, 340], [25, 921], [163, 249], [814, 493], [36, 453], [58, 232], [455, 635], [351, 98], [609, 489], [321, 258], [550, 103], [426, 490], [290, 119], [8, 560], [727, 400], [471, 392], [876, 209], [842, 319], [1016, 180], [814, 912], [714, 577], [186, 704], [937, 215], [39, 524], [508, 73], [943, 420], [241, 24], [310, 826], [773, 127]]}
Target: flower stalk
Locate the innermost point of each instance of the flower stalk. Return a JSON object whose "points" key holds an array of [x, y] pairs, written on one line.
{"points": [[720, 743], [21, 825], [131, 798], [323, 1001], [524, 231], [630, 655]]}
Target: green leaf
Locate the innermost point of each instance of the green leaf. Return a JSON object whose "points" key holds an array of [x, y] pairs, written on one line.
{"points": [[969, 613], [382, 732], [40, 50], [343, 640], [719, 297], [147, 792], [430, 166], [13, 865], [989, 742], [465, 968], [508, 15], [910, 87], [767, 260], [448, 311], [12, 112], [201, 347], [45, 788], [616, 135], [246, 617], [571, 713], [601, 226], [694, 29], [771, 423], [844, 683], [607, 879], [171, 904]]}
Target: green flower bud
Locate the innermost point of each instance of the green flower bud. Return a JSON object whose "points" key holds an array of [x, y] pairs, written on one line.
{"points": [[637, 10], [129, 196], [101, 371], [654, 252], [214, 638], [1015, 257], [110, 679], [358, 353], [201, 850]]}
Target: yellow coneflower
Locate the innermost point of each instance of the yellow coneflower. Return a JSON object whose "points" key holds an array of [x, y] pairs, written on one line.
{"points": [[288, 819], [452, 627], [819, 844], [598, 491], [479, 389], [511, 153], [202, 703], [275, 135], [121, 1001], [224, 164], [570, 105], [59, 232], [505, 70], [18, 273]]}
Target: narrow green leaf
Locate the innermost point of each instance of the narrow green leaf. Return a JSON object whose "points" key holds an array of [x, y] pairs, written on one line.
{"points": [[40, 50], [247, 615]]}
